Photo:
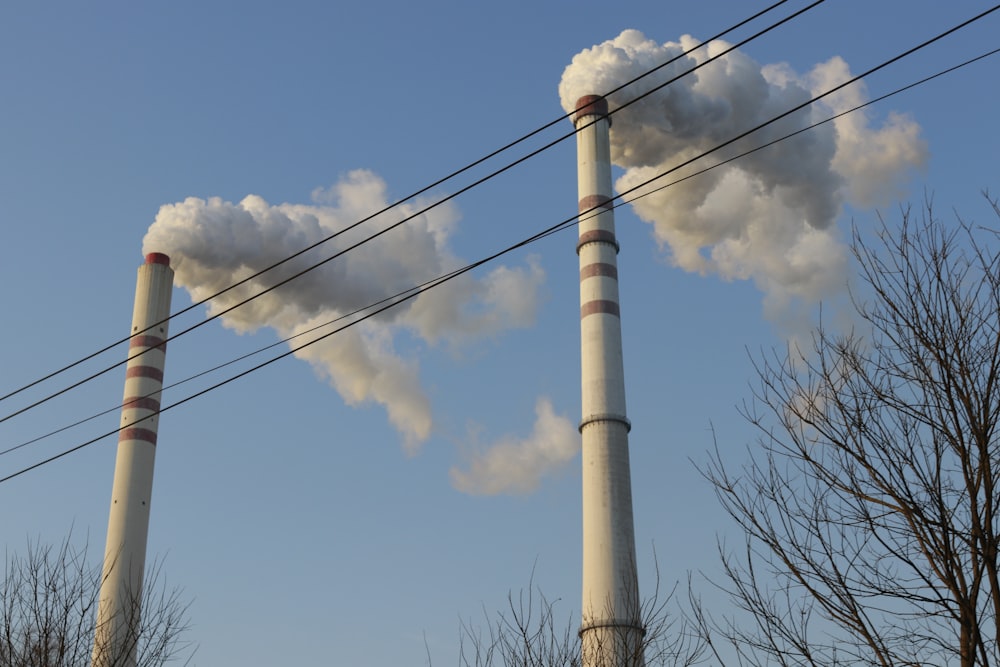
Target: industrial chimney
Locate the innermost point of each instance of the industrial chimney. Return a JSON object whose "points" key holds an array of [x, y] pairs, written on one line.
{"points": [[611, 628], [118, 613]]}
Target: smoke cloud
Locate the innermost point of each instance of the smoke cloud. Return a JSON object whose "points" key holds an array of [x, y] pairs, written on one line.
{"points": [[214, 243], [768, 217], [518, 465]]}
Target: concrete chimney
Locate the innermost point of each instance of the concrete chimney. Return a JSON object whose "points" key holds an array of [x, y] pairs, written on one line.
{"points": [[118, 613], [611, 628]]}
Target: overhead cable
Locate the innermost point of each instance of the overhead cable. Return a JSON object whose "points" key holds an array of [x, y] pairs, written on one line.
{"points": [[385, 209], [406, 295]]}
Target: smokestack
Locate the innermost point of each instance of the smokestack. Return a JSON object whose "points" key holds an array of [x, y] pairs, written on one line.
{"points": [[611, 628], [118, 614]]}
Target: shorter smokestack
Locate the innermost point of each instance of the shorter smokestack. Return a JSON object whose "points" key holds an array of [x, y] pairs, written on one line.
{"points": [[118, 613]]}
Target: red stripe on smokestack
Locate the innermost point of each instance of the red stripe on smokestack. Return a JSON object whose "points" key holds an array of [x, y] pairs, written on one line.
{"points": [[150, 372], [142, 403], [157, 258], [148, 341], [140, 434], [599, 269], [600, 306], [591, 202], [597, 236], [591, 105]]}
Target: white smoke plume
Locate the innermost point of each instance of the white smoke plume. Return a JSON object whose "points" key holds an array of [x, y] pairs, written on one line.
{"points": [[768, 217], [518, 465], [214, 243]]}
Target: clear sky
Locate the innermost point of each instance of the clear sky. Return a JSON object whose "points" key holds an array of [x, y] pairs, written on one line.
{"points": [[352, 508]]}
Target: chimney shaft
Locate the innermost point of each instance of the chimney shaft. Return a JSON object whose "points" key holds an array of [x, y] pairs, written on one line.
{"points": [[611, 627], [118, 614]]}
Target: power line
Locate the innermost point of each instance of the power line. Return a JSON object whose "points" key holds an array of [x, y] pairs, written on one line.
{"points": [[809, 127], [364, 220], [401, 297], [218, 367], [406, 219]]}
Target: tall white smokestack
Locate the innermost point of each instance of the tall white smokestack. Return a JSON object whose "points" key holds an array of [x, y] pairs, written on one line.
{"points": [[611, 628], [118, 619]]}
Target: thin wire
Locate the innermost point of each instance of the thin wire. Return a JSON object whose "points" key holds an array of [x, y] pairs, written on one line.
{"points": [[392, 301], [810, 127], [799, 107], [406, 219], [415, 194], [221, 366]]}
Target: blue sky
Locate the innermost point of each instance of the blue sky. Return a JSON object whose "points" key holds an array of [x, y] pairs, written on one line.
{"points": [[310, 531]]}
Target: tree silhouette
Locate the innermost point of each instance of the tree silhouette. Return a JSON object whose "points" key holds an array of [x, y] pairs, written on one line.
{"points": [[871, 505], [48, 605]]}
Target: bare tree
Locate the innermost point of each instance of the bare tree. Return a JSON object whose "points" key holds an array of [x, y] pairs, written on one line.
{"points": [[48, 604], [871, 507], [529, 634]]}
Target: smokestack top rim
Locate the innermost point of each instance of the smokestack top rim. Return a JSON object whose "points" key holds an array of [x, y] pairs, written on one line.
{"points": [[591, 105], [158, 258]]}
